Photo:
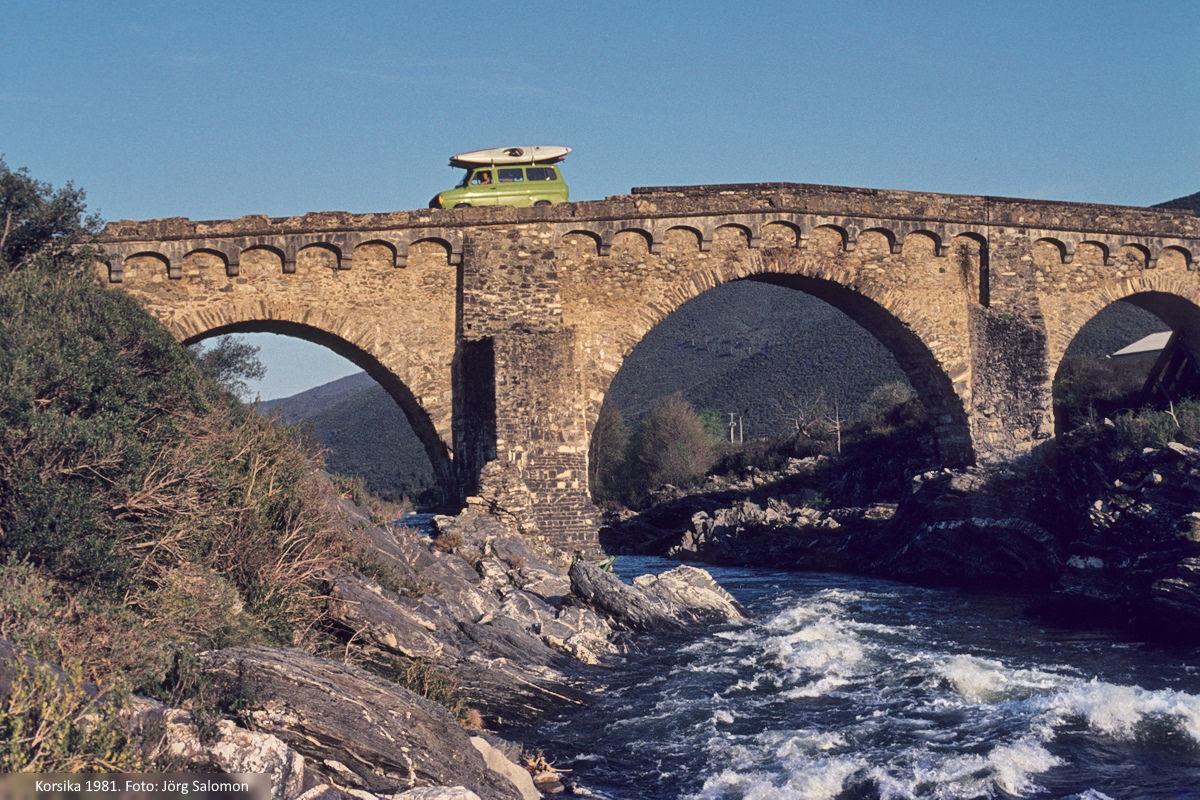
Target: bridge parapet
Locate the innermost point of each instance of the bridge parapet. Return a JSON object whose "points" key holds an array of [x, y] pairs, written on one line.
{"points": [[653, 211]]}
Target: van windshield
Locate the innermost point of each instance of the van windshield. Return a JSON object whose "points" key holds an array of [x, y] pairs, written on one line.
{"points": [[465, 179]]}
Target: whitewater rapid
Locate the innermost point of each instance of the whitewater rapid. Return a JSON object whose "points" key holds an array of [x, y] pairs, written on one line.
{"points": [[845, 687]]}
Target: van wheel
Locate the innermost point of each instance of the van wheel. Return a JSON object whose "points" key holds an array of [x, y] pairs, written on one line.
{"points": [[462, 205], [542, 203]]}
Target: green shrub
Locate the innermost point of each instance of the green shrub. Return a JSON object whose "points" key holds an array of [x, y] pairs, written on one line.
{"points": [[1086, 389], [90, 389], [1129, 433], [672, 445], [52, 723]]}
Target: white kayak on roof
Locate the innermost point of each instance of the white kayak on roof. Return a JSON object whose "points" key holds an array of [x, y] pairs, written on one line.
{"points": [[510, 155]]}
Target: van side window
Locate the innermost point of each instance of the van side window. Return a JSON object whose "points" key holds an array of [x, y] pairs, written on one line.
{"points": [[541, 173], [511, 175], [482, 177]]}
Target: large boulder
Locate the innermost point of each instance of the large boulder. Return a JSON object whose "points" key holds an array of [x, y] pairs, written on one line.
{"points": [[387, 620], [693, 591], [229, 748], [369, 731], [672, 601]]}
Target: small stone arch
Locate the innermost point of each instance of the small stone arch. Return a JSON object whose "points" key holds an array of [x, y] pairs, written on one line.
{"points": [[636, 233], [442, 241], [887, 234], [153, 259], [822, 235], [402, 252], [320, 254], [781, 233], [732, 235], [1133, 255], [202, 254], [1047, 242], [257, 254], [370, 252], [678, 235], [1106, 256], [583, 233], [922, 239], [1172, 254]]}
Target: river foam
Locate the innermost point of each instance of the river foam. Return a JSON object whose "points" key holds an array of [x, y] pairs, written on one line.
{"points": [[891, 692]]}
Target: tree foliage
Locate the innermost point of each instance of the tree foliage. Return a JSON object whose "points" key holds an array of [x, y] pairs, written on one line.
{"points": [[36, 218], [672, 445], [230, 362]]}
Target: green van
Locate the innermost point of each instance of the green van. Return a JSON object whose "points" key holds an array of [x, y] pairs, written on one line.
{"points": [[505, 185]]}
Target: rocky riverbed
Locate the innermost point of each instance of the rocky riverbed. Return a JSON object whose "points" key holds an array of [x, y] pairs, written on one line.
{"points": [[1095, 540], [519, 628]]}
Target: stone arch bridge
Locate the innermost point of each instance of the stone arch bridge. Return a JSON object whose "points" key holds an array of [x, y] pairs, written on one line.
{"points": [[498, 330]]}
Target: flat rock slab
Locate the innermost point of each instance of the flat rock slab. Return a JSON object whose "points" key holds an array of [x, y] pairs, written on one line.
{"points": [[387, 737], [387, 620]]}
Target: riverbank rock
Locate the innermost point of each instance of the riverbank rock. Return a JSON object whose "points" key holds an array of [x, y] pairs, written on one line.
{"points": [[671, 601], [487, 620], [484, 605], [1135, 557], [953, 527], [973, 526], [229, 748], [373, 734]]}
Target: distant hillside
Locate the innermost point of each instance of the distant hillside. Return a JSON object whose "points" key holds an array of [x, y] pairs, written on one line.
{"points": [[713, 335], [306, 404], [1114, 327], [839, 363], [1191, 202], [369, 436], [745, 347], [364, 432], [754, 350]]}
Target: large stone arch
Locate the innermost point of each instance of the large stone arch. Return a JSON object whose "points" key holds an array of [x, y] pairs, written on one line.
{"points": [[903, 322], [1172, 297], [194, 330], [1179, 313]]}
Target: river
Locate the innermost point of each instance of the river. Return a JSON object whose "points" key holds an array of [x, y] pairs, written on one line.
{"points": [[848, 687]]}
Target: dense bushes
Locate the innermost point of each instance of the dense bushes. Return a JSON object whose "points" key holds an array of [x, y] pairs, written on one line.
{"points": [[672, 444], [1115, 440], [140, 503]]}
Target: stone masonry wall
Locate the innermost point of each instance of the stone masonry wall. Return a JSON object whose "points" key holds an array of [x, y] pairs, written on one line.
{"points": [[499, 329]]}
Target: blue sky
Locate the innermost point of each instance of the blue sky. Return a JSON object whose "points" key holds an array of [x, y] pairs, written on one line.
{"points": [[217, 109]]}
